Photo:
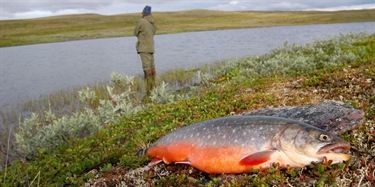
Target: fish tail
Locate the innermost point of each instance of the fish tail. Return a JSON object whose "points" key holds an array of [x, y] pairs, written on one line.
{"points": [[140, 152]]}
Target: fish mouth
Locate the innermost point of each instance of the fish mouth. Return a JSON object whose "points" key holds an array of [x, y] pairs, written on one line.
{"points": [[341, 148]]}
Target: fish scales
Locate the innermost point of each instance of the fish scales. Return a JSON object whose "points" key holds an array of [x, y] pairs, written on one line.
{"points": [[239, 143], [225, 131]]}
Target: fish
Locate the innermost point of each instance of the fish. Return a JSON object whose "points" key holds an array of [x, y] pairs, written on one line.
{"points": [[240, 144], [332, 116]]}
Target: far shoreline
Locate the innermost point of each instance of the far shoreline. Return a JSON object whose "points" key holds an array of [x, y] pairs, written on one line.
{"points": [[93, 26]]}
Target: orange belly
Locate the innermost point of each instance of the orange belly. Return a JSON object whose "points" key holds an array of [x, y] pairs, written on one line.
{"points": [[213, 159]]}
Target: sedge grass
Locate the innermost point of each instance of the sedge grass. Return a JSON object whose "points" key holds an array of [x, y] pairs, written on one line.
{"points": [[88, 26]]}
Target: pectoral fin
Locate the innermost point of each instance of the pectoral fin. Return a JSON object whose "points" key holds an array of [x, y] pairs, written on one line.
{"points": [[256, 158]]}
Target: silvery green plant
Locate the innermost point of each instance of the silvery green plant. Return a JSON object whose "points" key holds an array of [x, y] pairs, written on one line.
{"points": [[34, 136], [123, 83], [87, 96], [164, 94], [295, 59], [204, 78], [25, 137], [180, 97], [119, 105], [161, 94]]}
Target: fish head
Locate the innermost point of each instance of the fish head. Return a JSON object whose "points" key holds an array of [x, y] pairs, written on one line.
{"points": [[304, 144]]}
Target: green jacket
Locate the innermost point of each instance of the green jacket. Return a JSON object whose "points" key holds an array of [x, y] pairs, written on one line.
{"points": [[145, 31]]}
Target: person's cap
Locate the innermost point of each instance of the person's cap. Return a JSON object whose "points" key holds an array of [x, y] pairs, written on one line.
{"points": [[147, 10]]}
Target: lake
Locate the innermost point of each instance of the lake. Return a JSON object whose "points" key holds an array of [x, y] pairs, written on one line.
{"points": [[30, 71]]}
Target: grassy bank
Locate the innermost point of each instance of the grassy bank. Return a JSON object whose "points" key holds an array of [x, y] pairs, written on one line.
{"points": [[87, 26], [344, 71]]}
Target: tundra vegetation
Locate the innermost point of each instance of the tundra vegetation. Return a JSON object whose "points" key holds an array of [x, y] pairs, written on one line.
{"points": [[95, 144]]}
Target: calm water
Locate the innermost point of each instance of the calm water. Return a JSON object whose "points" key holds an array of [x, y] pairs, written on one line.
{"points": [[30, 71]]}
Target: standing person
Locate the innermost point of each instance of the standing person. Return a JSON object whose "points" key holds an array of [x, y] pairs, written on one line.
{"points": [[145, 30]]}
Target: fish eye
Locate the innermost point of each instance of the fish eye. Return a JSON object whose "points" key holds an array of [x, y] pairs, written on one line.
{"points": [[324, 137]]}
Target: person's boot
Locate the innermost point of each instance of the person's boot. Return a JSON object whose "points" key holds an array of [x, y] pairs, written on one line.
{"points": [[152, 79], [147, 73], [153, 72]]}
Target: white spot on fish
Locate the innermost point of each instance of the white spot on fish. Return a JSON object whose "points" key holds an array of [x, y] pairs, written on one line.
{"points": [[235, 141], [224, 136], [214, 143], [261, 128], [191, 135], [209, 136], [233, 131], [244, 133], [252, 139]]}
